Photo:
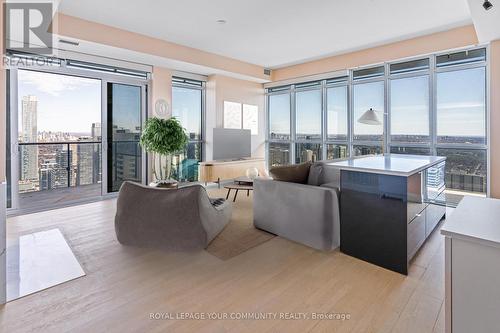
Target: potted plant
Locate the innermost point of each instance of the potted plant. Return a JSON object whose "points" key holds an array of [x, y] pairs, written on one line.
{"points": [[163, 138]]}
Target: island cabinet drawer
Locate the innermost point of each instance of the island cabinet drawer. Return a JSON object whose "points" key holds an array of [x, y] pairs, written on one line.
{"points": [[416, 234], [434, 214]]}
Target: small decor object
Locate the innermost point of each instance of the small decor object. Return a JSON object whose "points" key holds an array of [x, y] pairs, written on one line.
{"points": [[252, 173], [162, 108], [163, 138]]}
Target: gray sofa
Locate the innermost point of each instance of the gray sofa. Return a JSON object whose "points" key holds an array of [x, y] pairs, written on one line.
{"points": [[181, 219], [304, 213]]}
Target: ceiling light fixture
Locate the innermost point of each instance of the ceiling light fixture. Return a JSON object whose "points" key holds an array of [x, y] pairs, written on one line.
{"points": [[487, 5], [221, 21]]}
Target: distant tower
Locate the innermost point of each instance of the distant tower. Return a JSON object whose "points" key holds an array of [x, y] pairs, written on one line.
{"points": [[308, 156], [96, 131], [29, 155], [96, 134]]}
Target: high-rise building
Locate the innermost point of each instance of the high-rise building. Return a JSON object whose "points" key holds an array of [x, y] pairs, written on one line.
{"points": [[47, 171], [96, 132], [308, 155], [62, 169], [29, 133], [88, 160], [126, 162], [278, 155]]}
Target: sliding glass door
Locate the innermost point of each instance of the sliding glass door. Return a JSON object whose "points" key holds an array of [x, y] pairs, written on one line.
{"points": [[73, 135], [124, 124], [54, 152]]}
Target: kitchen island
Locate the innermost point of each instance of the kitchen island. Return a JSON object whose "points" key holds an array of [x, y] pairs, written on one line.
{"points": [[389, 205]]}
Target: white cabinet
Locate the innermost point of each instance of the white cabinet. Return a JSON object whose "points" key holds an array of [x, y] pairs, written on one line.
{"points": [[472, 266]]}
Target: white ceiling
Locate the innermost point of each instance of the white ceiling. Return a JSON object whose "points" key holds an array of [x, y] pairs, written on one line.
{"points": [[487, 23], [275, 33]]}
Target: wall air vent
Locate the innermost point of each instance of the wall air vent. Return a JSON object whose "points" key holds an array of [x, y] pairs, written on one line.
{"points": [[69, 42], [267, 71]]}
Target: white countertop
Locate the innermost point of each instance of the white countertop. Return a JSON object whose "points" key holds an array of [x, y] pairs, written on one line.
{"points": [[475, 219], [390, 164]]}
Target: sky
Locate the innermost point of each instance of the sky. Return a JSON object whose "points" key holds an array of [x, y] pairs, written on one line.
{"points": [[460, 106], [183, 101], [71, 104], [65, 103]]}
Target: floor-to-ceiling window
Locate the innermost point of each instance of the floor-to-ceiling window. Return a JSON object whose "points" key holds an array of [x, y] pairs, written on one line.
{"points": [[188, 107], [337, 123], [410, 107], [368, 92], [434, 105], [279, 134], [57, 151], [308, 122], [461, 126]]}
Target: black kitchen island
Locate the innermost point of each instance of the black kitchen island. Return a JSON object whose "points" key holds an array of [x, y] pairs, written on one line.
{"points": [[389, 205]]}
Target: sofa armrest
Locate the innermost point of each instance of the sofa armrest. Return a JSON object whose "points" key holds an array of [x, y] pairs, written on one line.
{"points": [[304, 213], [213, 219]]}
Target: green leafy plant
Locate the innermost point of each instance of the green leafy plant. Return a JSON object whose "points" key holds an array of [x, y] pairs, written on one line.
{"points": [[163, 138]]}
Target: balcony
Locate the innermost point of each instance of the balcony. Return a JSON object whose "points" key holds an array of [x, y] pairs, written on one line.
{"points": [[57, 173], [58, 197]]}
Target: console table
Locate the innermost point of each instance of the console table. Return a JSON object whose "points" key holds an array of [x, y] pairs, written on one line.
{"points": [[215, 171], [389, 205]]}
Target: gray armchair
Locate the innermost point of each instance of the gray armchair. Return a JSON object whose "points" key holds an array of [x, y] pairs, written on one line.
{"points": [[181, 219]]}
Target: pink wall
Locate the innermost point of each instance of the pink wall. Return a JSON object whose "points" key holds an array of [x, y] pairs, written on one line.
{"points": [[495, 119], [94, 32], [450, 39], [161, 87]]}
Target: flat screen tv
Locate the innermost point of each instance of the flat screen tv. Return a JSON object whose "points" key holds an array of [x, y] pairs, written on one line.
{"points": [[232, 143]]}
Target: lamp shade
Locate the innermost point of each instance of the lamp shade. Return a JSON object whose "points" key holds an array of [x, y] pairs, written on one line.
{"points": [[369, 118]]}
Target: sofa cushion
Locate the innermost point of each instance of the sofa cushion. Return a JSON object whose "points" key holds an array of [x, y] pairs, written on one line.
{"points": [[315, 173], [297, 173]]}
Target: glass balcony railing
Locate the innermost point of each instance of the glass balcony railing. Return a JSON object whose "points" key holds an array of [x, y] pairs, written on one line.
{"points": [[55, 165]]}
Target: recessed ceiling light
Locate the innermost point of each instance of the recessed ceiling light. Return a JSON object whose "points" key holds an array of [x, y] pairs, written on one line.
{"points": [[221, 21]]}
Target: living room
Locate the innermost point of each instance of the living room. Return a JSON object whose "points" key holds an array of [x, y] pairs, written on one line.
{"points": [[260, 166]]}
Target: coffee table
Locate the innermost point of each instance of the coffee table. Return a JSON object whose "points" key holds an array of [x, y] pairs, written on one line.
{"points": [[240, 184]]}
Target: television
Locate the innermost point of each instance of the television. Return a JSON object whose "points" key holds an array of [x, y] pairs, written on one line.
{"points": [[231, 144]]}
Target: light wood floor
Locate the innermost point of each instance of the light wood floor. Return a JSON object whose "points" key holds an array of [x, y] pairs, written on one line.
{"points": [[124, 285]]}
